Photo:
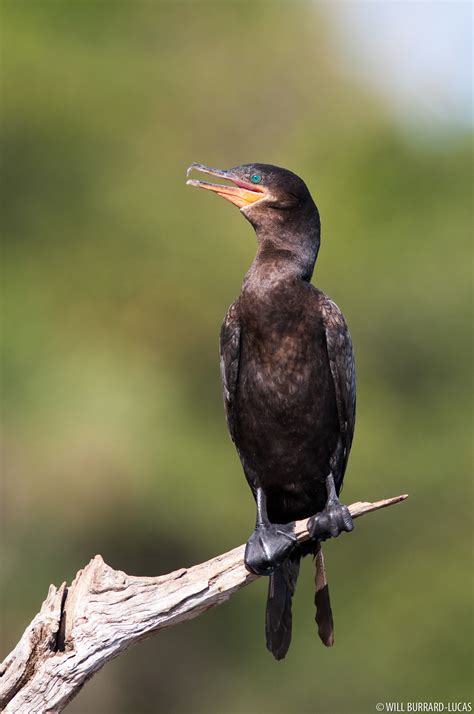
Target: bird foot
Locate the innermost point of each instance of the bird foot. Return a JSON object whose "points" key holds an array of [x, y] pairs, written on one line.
{"points": [[268, 546], [330, 522]]}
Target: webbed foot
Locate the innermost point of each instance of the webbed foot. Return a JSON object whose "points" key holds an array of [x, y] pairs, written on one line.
{"points": [[330, 522], [268, 546]]}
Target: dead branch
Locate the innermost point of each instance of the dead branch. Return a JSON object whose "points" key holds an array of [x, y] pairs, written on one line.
{"points": [[81, 627]]}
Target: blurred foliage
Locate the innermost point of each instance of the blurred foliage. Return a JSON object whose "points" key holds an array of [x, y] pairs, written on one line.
{"points": [[116, 279]]}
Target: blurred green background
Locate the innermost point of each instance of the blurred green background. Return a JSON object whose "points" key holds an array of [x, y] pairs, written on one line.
{"points": [[116, 280]]}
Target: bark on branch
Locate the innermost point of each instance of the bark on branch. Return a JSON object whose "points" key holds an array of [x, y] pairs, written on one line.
{"points": [[81, 627]]}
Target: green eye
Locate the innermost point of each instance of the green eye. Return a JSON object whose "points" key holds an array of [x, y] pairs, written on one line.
{"points": [[255, 178]]}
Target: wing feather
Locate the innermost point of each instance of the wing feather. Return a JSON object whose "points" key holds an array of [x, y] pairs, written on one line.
{"points": [[341, 360], [229, 362]]}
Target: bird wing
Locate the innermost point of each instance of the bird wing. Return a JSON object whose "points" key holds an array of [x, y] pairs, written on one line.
{"points": [[229, 360], [341, 360]]}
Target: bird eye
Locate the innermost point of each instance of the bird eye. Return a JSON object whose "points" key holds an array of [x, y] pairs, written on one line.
{"points": [[255, 178]]}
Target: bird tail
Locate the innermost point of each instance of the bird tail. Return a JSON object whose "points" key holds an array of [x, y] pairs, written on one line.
{"points": [[322, 601], [281, 587]]}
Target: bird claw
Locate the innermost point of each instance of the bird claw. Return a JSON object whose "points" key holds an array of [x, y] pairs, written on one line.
{"points": [[268, 546], [330, 522]]}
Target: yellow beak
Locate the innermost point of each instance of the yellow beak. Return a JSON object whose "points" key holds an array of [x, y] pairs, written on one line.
{"points": [[241, 194]]}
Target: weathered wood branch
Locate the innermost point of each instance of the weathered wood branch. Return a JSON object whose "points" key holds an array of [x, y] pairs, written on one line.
{"points": [[81, 627]]}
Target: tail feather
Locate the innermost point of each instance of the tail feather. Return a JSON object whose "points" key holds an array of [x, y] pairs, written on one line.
{"points": [[322, 601], [281, 587]]}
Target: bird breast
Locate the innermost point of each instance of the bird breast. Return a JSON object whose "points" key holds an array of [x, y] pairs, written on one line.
{"points": [[283, 353]]}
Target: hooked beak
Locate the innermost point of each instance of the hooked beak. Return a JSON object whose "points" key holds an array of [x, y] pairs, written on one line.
{"points": [[242, 194]]}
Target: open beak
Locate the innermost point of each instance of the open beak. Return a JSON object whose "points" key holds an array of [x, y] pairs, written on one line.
{"points": [[241, 194]]}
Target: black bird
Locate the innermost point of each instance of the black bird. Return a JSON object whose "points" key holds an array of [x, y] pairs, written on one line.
{"points": [[288, 379]]}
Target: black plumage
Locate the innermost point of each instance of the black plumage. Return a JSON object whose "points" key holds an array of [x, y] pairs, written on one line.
{"points": [[289, 388]]}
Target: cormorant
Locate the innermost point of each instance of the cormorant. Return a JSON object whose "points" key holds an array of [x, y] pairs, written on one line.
{"points": [[288, 379]]}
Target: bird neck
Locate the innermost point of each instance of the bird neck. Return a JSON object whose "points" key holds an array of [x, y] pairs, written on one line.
{"points": [[288, 252], [274, 265], [288, 240]]}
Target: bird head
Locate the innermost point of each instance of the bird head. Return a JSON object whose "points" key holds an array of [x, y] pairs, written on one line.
{"points": [[256, 188]]}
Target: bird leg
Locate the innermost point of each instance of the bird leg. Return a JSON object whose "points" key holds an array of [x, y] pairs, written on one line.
{"points": [[334, 519], [270, 543]]}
